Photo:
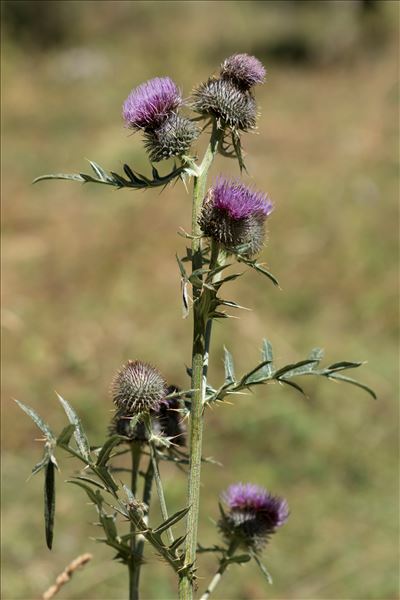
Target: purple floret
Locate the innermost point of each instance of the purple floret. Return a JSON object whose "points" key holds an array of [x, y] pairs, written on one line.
{"points": [[240, 201], [148, 105], [243, 69], [253, 499]]}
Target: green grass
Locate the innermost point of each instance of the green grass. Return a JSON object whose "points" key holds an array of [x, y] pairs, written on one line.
{"points": [[90, 280]]}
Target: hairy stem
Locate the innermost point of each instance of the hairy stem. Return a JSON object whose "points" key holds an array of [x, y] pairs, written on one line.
{"points": [[134, 565], [199, 351]]}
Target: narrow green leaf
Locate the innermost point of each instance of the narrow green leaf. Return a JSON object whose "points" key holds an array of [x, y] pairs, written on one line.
{"points": [[91, 482], [342, 365], [254, 376], [106, 450], [263, 569], [175, 518], [105, 476], [94, 496], [229, 367], [267, 355], [37, 420], [292, 384], [100, 172], [240, 558], [108, 524], [175, 545], [299, 368], [49, 502], [70, 176], [352, 382], [65, 435], [79, 434]]}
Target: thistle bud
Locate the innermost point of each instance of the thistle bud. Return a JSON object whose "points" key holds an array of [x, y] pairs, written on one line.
{"points": [[151, 103], [234, 215], [222, 99], [172, 138], [121, 425], [243, 70], [138, 388], [254, 515]]}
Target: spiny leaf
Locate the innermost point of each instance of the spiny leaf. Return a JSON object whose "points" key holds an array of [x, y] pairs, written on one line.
{"points": [[65, 435], [292, 384], [344, 364], [353, 382], [135, 181], [37, 420], [316, 354], [299, 368], [175, 518], [79, 433], [229, 367], [49, 502], [106, 450], [94, 496], [40, 465], [267, 355], [91, 482]]}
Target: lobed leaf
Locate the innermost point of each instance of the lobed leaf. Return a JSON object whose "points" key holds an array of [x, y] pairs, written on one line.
{"points": [[79, 434], [37, 420]]}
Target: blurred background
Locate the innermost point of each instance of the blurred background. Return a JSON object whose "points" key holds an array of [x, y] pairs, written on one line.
{"points": [[90, 280]]}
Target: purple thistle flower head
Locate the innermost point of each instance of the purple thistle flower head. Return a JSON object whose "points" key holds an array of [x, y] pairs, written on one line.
{"points": [[253, 498], [148, 105], [239, 201], [244, 70], [138, 388], [254, 515], [234, 214]]}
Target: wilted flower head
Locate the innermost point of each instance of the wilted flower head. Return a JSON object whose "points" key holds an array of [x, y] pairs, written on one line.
{"points": [[138, 388], [243, 70], [222, 99], [172, 138], [148, 105], [234, 215], [254, 515]]}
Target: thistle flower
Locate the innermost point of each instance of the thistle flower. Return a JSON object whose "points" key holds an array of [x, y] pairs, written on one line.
{"points": [[138, 388], [149, 105], [254, 515], [232, 106], [243, 70], [173, 138], [234, 215]]}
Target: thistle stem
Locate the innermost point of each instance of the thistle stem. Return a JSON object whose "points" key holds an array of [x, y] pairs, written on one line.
{"points": [[148, 484], [157, 477], [134, 564], [223, 565], [199, 350]]}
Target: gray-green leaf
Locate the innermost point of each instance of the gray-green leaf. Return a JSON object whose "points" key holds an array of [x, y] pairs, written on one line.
{"points": [[37, 420], [79, 433]]}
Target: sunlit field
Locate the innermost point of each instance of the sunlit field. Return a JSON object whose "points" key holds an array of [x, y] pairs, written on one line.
{"points": [[90, 280]]}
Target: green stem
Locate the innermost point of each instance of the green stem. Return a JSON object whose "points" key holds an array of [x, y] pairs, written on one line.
{"points": [[198, 379], [134, 565], [223, 565], [157, 477], [148, 484]]}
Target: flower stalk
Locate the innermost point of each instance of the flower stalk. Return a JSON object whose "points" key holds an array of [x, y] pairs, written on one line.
{"points": [[199, 354]]}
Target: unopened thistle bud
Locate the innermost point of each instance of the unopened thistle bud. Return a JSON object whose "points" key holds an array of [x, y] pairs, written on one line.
{"points": [[151, 103], [173, 138], [138, 388], [231, 106], [253, 516], [243, 70], [234, 215], [121, 425]]}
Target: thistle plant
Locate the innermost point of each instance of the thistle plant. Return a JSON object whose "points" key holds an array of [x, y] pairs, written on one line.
{"points": [[155, 421]]}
